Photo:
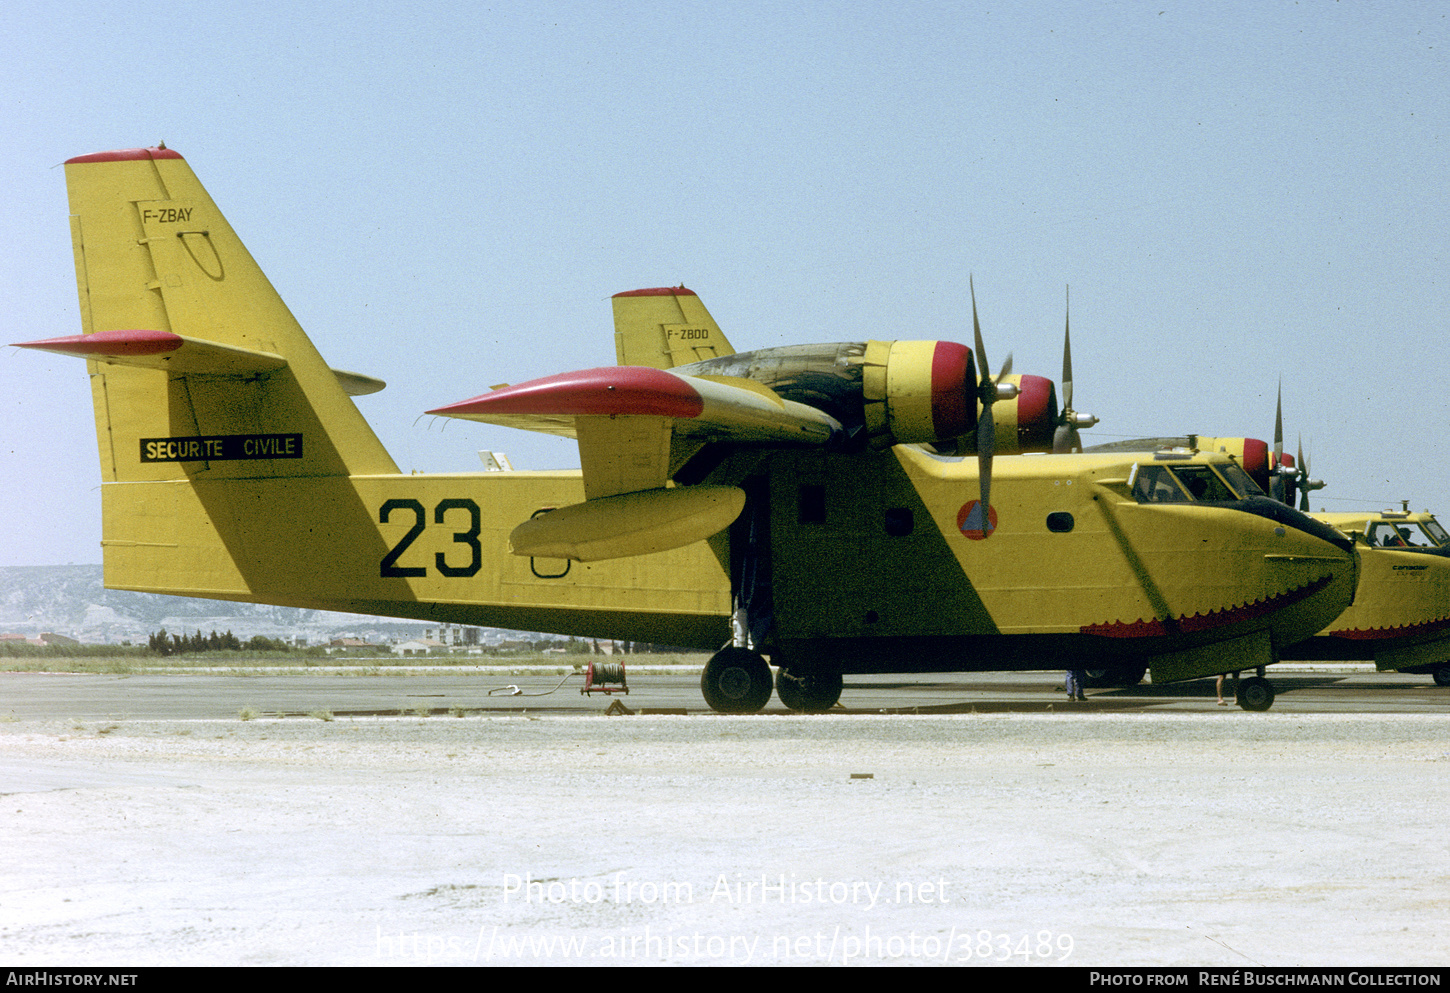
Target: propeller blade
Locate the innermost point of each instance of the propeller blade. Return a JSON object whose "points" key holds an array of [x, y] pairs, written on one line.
{"points": [[1067, 355], [986, 444], [986, 430], [1065, 437], [1303, 479], [982, 365], [1276, 479]]}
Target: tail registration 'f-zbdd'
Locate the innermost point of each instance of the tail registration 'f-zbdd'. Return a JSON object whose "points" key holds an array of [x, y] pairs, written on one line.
{"points": [[806, 504]]}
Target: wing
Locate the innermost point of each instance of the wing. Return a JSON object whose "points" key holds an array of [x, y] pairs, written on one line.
{"points": [[634, 424], [629, 419]]}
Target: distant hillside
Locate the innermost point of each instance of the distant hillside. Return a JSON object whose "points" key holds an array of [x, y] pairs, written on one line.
{"points": [[70, 600]]}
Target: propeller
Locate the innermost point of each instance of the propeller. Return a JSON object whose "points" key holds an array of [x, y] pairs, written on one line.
{"points": [[1285, 480], [1277, 472], [1303, 482], [989, 391], [1065, 438]]}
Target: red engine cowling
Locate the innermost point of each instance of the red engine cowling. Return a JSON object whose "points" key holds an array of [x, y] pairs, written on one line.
{"points": [[1027, 423]]}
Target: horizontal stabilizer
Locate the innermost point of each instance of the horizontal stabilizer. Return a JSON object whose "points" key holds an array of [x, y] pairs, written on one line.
{"points": [[355, 384], [184, 356], [715, 409], [629, 524], [162, 350]]}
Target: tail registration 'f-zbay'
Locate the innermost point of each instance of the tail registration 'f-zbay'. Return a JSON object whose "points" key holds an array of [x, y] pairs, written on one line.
{"points": [[834, 507]]}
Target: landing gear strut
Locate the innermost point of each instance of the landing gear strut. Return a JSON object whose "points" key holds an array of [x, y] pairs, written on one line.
{"points": [[736, 681], [811, 691]]}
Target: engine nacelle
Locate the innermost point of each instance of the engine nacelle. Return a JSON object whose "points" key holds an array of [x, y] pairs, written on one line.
{"points": [[888, 393], [918, 391], [883, 392]]}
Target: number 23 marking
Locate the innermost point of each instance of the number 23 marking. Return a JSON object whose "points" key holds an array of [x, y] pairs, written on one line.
{"points": [[389, 568]]}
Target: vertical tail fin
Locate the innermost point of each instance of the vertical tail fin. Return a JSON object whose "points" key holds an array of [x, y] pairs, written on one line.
{"points": [[202, 371], [666, 327]]}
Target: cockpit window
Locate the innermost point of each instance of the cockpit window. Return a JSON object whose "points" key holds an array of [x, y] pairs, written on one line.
{"points": [[1388, 534], [1204, 484], [1436, 532], [1185, 483], [1155, 484], [1240, 480]]}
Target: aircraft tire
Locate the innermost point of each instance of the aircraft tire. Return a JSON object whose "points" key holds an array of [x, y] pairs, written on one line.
{"points": [[1256, 694], [736, 681], [1442, 676], [811, 692], [1115, 676]]}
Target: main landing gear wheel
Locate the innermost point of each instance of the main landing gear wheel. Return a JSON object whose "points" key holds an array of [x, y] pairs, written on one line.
{"points": [[1442, 676], [736, 681], [811, 692], [1256, 693]]}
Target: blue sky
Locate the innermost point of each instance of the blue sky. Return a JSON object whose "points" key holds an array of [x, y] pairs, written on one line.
{"points": [[447, 194]]}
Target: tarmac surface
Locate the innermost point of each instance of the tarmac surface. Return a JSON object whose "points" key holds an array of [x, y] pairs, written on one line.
{"points": [[144, 822]]}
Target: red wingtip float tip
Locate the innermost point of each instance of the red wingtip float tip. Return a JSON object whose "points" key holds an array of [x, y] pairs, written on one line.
{"points": [[109, 343], [620, 390], [126, 155], [658, 291]]}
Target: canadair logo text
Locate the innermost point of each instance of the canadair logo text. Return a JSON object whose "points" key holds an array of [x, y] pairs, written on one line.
{"points": [[222, 448]]}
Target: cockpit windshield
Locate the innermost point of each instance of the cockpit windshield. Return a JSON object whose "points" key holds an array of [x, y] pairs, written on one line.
{"points": [[1241, 481], [1406, 534], [1191, 483]]}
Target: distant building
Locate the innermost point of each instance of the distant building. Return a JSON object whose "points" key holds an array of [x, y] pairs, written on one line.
{"points": [[420, 646], [454, 635]]}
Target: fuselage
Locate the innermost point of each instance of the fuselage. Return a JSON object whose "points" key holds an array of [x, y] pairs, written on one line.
{"points": [[879, 564]]}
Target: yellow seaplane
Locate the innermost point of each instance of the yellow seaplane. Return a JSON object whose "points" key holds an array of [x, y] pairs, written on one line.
{"points": [[837, 508], [1400, 619]]}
